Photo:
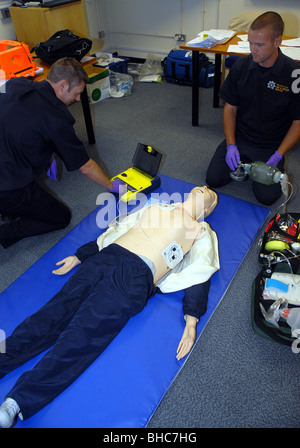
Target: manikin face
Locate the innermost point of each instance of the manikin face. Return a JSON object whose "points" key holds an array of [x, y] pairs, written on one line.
{"points": [[205, 201], [263, 47], [68, 96]]}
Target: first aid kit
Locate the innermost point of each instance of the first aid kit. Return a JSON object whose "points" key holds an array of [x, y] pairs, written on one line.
{"points": [[276, 289]]}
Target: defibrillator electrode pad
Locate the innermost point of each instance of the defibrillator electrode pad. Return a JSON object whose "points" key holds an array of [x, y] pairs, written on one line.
{"points": [[172, 254]]}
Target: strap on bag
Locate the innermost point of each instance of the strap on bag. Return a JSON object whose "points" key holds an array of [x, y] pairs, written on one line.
{"points": [[185, 77]]}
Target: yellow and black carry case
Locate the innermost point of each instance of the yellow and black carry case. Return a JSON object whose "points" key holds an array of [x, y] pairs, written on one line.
{"points": [[142, 176]]}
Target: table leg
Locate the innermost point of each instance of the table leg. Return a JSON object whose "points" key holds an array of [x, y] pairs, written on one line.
{"points": [[195, 87], [217, 80], [87, 117]]}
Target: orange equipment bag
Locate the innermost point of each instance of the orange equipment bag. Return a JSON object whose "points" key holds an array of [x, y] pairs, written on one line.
{"points": [[15, 60]]}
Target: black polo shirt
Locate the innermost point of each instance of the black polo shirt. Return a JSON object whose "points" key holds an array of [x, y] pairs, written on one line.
{"points": [[34, 123], [266, 102]]}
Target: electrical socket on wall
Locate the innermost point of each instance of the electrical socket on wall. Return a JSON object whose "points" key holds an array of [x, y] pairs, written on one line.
{"points": [[101, 34], [4, 13], [180, 37]]}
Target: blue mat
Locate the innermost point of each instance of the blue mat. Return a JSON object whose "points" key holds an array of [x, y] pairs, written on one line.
{"points": [[124, 386]]}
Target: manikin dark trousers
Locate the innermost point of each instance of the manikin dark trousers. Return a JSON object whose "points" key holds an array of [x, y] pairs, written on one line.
{"points": [[78, 323]]}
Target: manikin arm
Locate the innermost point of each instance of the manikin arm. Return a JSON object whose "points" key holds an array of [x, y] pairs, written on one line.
{"points": [[68, 264], [194, 306], [188, 338], [82, 254]]}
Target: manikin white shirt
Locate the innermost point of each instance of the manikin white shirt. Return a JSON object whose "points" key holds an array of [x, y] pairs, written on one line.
{"points": [[198, 265]]}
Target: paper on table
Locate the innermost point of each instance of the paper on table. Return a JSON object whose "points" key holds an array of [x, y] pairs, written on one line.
{"points": [[238, 49], [292, 52], [208, 39], [209, 42], [291, 42], [243, 44], [220, 35], [243, 37], [288, 42]]}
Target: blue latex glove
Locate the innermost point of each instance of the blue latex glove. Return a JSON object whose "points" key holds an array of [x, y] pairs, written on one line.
{"points": [[118, 187], [274, 159], [232, 157], [52, 170]]}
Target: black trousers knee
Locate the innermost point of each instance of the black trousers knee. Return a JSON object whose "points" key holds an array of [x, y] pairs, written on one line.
{"points": [[35, 211]]}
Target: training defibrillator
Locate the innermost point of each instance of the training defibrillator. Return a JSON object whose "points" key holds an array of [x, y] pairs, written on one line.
{"points": [[142, 176]]}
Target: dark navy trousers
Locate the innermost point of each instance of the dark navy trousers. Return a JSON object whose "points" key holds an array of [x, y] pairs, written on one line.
{"points": [[76, 325]]}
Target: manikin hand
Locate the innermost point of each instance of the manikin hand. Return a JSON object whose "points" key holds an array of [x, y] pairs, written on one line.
{"points": [[68, 264], [188, 338]]}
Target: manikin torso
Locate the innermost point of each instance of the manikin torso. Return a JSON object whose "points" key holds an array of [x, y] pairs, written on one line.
{"points": [[158, 227]]}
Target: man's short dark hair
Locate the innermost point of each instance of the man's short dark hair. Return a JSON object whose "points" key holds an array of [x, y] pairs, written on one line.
{"points": [[68, 69], [269, 18]]}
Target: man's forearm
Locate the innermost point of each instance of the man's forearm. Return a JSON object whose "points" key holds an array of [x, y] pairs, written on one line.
{"points": [[291, 138], [229, 123], [93, 171]]}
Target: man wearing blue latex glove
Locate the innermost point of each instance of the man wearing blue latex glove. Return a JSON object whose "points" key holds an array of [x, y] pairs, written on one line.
{"points": [[35, 123], [261, 117], [52, 170], [274, 159], [232, 157], [119, 187]]}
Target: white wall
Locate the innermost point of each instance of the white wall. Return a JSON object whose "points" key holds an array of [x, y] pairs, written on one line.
{"points": [[138, 27], [6, 27]]}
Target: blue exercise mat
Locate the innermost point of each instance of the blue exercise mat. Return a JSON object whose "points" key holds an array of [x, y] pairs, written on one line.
{"points": [[124, 386]]}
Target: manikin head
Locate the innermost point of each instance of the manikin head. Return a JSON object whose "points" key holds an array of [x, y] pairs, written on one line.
{"points": [[201, 202], [264, 36], [68, 79]]}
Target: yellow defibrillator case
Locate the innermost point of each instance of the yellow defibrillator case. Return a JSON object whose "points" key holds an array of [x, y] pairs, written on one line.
{"points": [[142, 177]]}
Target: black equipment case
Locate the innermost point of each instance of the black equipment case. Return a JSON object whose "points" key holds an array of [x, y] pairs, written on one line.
{"points": [[276, 255]]}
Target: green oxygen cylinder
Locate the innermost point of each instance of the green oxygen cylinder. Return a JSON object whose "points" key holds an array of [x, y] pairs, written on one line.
{"points": [[262, 173]]}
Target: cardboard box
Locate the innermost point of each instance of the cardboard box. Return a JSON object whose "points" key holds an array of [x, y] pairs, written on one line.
{"points": [[98, 86]]}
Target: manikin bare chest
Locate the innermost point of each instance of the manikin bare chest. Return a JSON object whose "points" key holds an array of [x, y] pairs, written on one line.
{"points": [[158, 228]]}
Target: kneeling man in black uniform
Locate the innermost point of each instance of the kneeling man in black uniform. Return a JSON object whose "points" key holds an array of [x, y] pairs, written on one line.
{"points": [[262, 108], [35, 123]]}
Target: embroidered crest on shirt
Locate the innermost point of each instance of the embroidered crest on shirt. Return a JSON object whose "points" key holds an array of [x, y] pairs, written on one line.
{"points": [[271, 85], [278, 87]]}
